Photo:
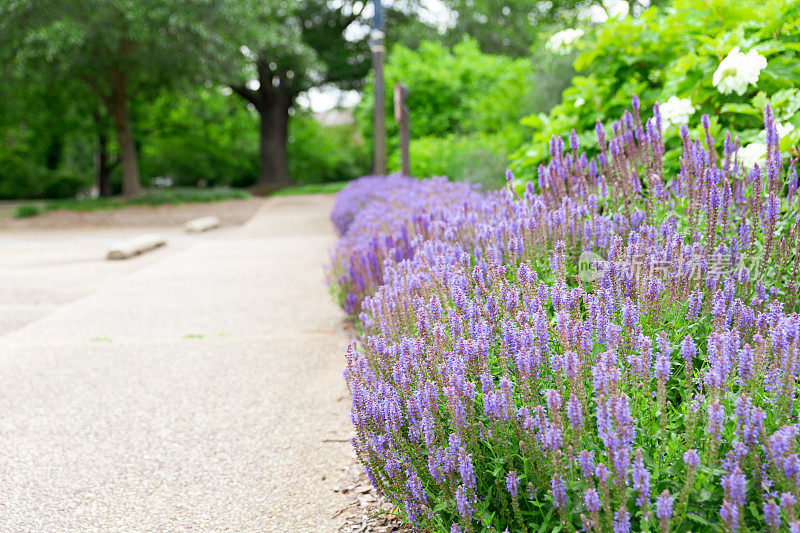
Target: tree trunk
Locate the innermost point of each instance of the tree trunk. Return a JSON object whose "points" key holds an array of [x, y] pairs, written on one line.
{"points": [[55, 151], [272, 100], [102, 158], [131, 183], [104, 165], [274, 171]]}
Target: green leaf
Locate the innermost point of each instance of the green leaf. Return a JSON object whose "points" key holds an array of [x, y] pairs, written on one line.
{"points": [[742, 109], [697, 519]]}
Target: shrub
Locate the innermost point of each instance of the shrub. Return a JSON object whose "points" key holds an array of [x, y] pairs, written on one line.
{"points": [[460, 92], [22, 179], [499, 384], [64, 184], [18, 177], [465, 106], [676, 55], [385, 219], [323, 154], [27, 211], [199, 136], [476, 158]]}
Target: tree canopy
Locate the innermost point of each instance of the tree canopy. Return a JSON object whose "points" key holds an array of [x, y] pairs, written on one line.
{"points": [[117, 49], [288, 48]]}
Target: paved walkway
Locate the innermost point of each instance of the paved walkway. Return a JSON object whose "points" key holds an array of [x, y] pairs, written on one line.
{"points": [[195, 392]]}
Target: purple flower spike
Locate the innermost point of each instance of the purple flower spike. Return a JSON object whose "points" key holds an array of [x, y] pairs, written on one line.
{"points": [[559, 491], [592, 500], [622, 521], [664, 505], [772, 514], [512, 483], [691, 458]]}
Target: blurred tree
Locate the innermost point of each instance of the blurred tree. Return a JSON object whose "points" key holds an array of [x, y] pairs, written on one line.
{"points": [[507, 27], [404, 26], [47, 129], [199, 136], [119, 49], [512, 27], [288, 48]]}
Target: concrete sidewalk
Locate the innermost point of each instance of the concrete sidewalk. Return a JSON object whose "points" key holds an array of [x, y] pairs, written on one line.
{"points": [[194, 393]]}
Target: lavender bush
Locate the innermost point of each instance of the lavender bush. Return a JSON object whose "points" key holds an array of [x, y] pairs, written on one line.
{"points": [[362, 191], [617, 350], [382, 219]]}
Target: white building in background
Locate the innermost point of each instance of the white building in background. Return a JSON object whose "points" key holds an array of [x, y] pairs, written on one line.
{"points": [[335, 117]]}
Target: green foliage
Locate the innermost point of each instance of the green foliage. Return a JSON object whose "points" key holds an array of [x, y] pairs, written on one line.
{"points": [[301, 40], [404, 26], [289, 48], [108, 44], [446, 87], [44, 148], [507, 27], [464, 106], [200, 136], [117, 51], [325, 153], [314, 188], [475, 158], [178, 195], [675, 52], [28, 211], [210, 137], [18, 177], [322, 154], [21, 178]]}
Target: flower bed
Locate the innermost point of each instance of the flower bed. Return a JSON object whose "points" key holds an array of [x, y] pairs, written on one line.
{"points": [[382, 219], [616, 351]]}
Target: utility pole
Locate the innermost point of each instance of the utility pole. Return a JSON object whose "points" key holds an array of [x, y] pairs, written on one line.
{"points": [[379, 120]]}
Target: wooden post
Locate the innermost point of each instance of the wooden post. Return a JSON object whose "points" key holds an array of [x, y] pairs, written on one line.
{"points": [[401, 116], [379, 120]]}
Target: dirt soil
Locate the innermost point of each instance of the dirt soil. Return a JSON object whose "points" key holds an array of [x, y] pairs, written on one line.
{"points": [[230, 212]]}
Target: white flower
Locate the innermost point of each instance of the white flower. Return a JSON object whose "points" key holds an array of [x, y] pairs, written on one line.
{"points": [[617, 9], [561, 42], [752, 153], [738, 70], [782, 129], [597, 14], [676, 111]]}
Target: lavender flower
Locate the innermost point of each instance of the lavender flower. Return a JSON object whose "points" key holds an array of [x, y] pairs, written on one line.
{"points": [[512, 483], [622, 521], [691, 458], [463, 325], [592, 500], [772, 514], [559, 491], [664, 504], [464, 502]]}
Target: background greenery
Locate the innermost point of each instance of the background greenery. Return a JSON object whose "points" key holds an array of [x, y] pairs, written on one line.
{"points": [[465, 106], [674, 51], [486, 92]]}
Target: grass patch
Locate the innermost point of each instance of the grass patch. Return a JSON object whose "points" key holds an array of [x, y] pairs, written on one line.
{"points": [[28, 210], [178, 195], [314, 188]]}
